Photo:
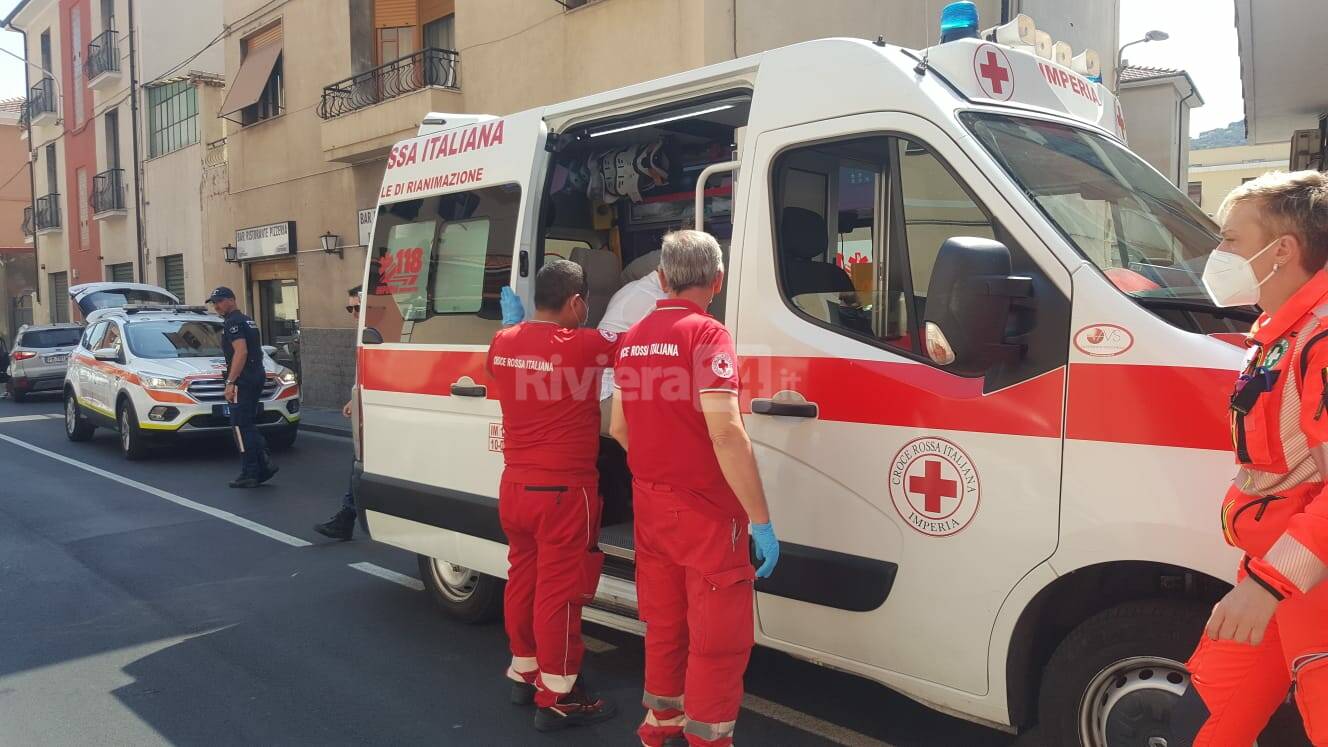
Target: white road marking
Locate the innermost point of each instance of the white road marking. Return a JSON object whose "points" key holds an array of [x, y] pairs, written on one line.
{"points": [[810, 724], [216, 513], [30, 418], [409, 582]]}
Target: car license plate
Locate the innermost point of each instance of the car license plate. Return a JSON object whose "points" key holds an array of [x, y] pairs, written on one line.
{"points": [[221, 411], [57, 358]]}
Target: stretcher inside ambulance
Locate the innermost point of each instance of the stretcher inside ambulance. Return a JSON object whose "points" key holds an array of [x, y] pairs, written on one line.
{"points": [[978, 366]]}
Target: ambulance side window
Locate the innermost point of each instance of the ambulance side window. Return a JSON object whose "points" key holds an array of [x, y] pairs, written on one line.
{"points": [[439, 265], [859, 225]]}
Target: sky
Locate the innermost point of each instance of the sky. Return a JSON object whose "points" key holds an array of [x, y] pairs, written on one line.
{"points": [[1203, 42]]}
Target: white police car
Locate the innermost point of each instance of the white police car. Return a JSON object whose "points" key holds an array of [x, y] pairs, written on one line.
{"points": [[154, 372]]}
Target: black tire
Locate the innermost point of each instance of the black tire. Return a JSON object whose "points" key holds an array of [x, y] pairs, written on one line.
{"points": [[1134, 651], [1161, 629], [477, 600], [133, 444], [281, 439], [77, 427]]}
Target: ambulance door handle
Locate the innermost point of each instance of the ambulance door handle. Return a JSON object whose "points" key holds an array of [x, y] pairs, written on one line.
{"points": [[466, 387], [802, 409]]}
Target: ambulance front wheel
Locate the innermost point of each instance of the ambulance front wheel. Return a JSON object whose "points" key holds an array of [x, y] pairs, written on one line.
{"points": [[462, 594], [1115, 678]]}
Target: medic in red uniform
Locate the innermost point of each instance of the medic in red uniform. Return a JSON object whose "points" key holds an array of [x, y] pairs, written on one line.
{"points": [[1269, 634], [695, 488], [547, 372]]}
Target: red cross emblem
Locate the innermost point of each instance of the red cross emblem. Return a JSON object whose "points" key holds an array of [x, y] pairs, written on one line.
{"points": [[932, 487], [993, 71]]}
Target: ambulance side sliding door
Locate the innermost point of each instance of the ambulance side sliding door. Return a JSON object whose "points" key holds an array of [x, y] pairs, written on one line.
{"points": [[911, 500]]}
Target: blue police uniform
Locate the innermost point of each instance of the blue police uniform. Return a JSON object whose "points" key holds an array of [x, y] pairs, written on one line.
{"points": [[249, 388]]}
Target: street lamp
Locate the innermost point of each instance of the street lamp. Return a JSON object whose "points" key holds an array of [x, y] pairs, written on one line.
{"points": [[230, 253], [331, 243], [1151, 36]]}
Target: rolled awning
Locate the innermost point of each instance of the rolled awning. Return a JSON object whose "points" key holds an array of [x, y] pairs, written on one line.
{"points": [[251, 79]]}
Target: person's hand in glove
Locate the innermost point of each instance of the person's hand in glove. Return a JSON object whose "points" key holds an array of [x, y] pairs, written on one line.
{"points": [[767, 548], [513, 311]]}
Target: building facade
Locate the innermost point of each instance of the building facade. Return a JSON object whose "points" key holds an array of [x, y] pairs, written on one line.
{"points": [[17, 262], [96, 125], [317, 92], [1157, 104], [1281, 47], [1214, 172]]}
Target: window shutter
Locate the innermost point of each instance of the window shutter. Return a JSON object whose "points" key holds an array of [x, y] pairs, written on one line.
{"points": [[432, 10], [394, 13], [263, 38], [172, 275]]}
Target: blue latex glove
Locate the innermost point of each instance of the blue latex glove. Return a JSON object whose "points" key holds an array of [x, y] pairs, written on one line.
{"points": [[513, 311], [767, 548]]}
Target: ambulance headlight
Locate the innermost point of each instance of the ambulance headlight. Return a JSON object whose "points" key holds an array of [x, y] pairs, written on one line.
{"points": [[959, 21], [938, 347], [160, 382], [287, 376]]}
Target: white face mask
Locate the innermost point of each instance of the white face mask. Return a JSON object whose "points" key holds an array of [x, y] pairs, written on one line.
{"points": [[1230, 280]]}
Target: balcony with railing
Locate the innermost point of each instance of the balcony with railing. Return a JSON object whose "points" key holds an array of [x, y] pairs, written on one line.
{"points": [[103, 65], [41, 106], [366, 114], [46, 213], [108, 194], [28, 227]]}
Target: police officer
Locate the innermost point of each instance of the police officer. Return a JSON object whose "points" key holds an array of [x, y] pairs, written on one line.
{"points": [[244, 387]]}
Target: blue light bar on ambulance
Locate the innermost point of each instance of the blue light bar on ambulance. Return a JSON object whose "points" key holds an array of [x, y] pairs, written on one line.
{"points": [[959, 21]]}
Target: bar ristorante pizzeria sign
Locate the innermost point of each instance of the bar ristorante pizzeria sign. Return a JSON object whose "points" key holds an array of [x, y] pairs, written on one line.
{"points": [[273, 240]]}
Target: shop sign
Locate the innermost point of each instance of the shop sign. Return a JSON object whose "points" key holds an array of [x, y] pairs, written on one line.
{"points": [[274, 240], [366, 223]]}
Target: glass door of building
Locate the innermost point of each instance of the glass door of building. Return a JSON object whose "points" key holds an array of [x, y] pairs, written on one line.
{"points": [[279, 319]]}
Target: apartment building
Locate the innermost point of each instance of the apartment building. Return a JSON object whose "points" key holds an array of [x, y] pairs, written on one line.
{"points": [[17, 265], [93, 120], [1214, 172], [317, 92]]}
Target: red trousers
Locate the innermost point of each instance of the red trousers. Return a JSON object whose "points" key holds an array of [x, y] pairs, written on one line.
{"points": [[555, 563], [1243, 685], [694, 588]]}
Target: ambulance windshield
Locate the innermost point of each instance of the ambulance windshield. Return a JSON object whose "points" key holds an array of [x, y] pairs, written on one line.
{"points": [[1142, 232]]}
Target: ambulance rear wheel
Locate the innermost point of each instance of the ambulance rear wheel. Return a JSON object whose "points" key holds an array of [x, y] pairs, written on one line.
{"points": [[463, 594], [1114, 679]]}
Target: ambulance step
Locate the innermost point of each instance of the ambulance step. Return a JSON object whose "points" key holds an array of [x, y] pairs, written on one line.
{"points": [[617, 541], [616, 596]]}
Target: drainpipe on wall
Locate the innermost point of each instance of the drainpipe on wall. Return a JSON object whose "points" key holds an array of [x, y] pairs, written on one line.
{"points": [[1182, 138], [138, 164]]}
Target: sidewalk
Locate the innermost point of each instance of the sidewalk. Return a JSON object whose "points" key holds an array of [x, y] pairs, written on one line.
{"points": [[324, 420]]}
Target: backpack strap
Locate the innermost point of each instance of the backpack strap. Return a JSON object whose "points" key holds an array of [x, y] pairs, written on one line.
{"points": [[1303, 364]]}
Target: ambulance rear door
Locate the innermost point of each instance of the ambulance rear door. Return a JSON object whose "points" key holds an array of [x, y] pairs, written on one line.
{"points": [[455, 222], [909, 500]]}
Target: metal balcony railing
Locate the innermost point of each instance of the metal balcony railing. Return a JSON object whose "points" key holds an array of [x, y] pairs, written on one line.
{"points": [[108, 191], [28, 228], [41, 98], [23, 120], [46, 212], [215, 153], [103, 55], [423, 69]]}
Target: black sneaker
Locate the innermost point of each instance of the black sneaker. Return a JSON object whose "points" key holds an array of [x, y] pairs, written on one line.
{"points": [[577, 708], [339, 527], [245, 482], [521, 693], [269, 473]]}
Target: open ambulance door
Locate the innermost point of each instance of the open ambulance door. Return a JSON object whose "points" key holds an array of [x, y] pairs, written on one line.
{"points": [[456, 222]]}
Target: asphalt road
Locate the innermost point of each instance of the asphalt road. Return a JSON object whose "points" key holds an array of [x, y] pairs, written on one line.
{"points": [[146, 603]]}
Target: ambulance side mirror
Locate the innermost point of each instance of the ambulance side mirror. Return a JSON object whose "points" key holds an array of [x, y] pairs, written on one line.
{"points": [[969, 303], [371, 336]]}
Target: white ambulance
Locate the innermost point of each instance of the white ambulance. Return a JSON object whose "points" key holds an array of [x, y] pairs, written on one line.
{"points": [[986, 389]]}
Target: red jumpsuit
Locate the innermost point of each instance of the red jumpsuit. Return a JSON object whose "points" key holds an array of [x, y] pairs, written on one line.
{"points": [[547, 379], [693, 573], [1277, 512]]}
